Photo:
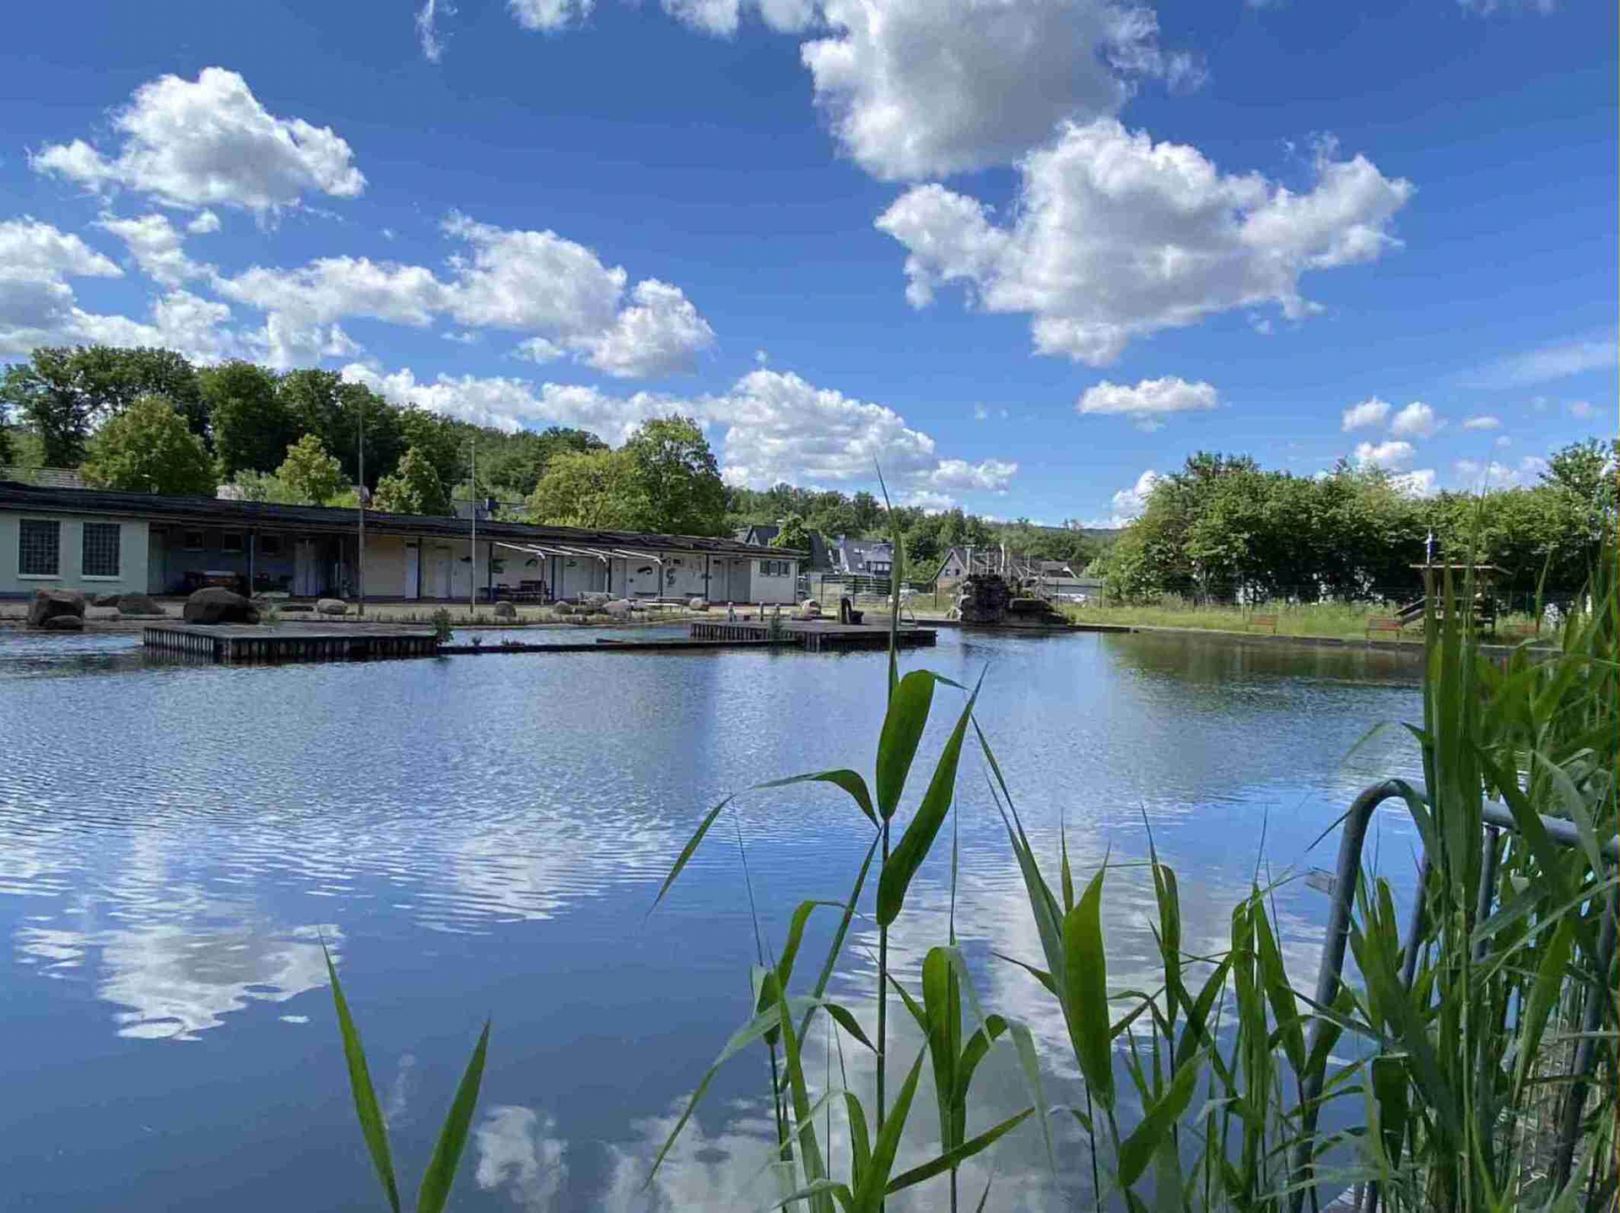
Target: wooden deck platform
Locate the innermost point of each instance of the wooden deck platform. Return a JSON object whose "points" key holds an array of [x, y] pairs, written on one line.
{"points": [[268, 643], [814, 636], [238, 643]]}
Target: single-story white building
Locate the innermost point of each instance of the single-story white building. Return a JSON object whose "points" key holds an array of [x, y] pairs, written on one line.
{"points": [[107, 542]]}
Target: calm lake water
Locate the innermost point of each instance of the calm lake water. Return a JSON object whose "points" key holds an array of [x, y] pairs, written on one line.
{"points": [[484, 835]]}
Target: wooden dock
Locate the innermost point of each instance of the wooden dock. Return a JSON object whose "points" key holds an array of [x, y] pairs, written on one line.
{"points": [[812, 635], [238, 643]]}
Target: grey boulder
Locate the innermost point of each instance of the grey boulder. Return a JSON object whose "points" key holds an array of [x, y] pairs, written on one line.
{"points": [[55, 604], [331, 606], [138, 604], [215, 604]]}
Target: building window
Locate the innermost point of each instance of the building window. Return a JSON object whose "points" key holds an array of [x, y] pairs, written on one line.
{"points": [[100, 552], [192, 541], [774, 568], [39, 548], [230, 541], [269, 545]]}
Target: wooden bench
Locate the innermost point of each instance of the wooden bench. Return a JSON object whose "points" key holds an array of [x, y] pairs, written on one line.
{"points": [[1268, 622], [1384, 624]]}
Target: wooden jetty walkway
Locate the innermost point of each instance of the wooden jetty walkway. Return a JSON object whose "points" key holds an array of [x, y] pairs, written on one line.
{"points": [[250, 643], [233, 643], [813, 635]]}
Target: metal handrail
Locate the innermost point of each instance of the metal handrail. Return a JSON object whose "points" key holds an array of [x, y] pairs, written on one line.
{"points": [[1329, 977]]}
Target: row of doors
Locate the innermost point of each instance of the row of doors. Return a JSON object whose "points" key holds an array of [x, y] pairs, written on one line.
{"points": [[429, 580]]}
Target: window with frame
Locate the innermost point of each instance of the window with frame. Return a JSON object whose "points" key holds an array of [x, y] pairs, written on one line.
{"points": [[192, 541], [39, 548], [230, 541], [99, 553], [269, 545]]}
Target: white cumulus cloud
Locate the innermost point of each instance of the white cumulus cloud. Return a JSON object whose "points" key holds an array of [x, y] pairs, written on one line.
{"points": [[1128, 503], [208, 142], [1149, 400], [722, 17], [770, 426], [1483, 422], [920, 88], [535, 282], [1115, 236], [549, 16], [512, 404], [1393, 455], [659, 333], [1369, 412], [157, 246], [1416, 420]]}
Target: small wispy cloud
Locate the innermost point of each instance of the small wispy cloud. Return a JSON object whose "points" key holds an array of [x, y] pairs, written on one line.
{"points": [[428, 36], [1556, 361]]}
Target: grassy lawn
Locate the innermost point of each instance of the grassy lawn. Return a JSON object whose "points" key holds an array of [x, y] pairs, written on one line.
{"points": [[1345, 621]]}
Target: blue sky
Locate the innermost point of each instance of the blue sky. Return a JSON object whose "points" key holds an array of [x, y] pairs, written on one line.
{"points": [[1022, 252]]}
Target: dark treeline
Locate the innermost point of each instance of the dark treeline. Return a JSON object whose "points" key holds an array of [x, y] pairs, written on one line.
{"points": [[56, 407], [148, 420], [928, 534], [1222, 529]]}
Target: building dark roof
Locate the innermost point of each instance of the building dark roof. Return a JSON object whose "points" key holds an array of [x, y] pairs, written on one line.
{"points": [[212, 511], [764, 533]]}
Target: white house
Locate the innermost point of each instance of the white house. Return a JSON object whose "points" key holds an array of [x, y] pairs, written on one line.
{"points": [[107, 542]]}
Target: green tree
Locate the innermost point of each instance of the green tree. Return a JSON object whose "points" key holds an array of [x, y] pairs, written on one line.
{"points": [[793, 534], [512, 464], [677, 477], [596, 489], [149, 448], [868, 513], [45, 392], [113, 378], [413, 487], [383, 430], [248, 417], [438, 440], [311, 474], [310, 398]]}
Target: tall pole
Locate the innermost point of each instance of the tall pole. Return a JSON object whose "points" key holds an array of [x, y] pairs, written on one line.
{"points": [[472, 575], [360, 500]]}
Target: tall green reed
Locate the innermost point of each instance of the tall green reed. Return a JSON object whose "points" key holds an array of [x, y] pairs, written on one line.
{"points": [[439, 1176], [1445, 1058]]}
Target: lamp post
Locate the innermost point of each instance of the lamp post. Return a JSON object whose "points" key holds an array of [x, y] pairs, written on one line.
{"points": [[360, 502], [472, 568]]}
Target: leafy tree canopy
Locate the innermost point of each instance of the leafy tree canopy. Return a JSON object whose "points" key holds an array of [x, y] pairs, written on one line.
{"points": [[312, 475], [413, 487], [148, 448]]}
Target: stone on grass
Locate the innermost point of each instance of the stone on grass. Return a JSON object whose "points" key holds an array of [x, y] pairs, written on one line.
{"points": [[64, 623], [505, 610], [331, 606], [55, 604], [697, 604], [216, 604], [104, 600]]}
